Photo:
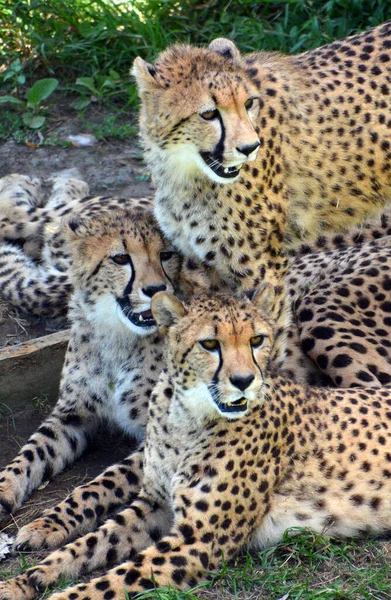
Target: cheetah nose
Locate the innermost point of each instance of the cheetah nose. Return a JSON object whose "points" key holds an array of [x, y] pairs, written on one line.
{"points": [[247, 150], [151, 290], [241, 383]]}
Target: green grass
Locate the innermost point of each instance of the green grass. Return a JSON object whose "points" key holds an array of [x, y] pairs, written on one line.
{"points": [[98, 35], [303, 566]]}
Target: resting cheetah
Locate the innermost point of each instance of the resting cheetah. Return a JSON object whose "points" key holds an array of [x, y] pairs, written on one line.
{"points": [[253, 153], [341, 316], [37, 280], [245, 456], [114, 356]]}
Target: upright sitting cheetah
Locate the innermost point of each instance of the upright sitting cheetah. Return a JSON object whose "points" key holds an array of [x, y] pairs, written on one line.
{"points": [[114, 356], [245, 456], [253, 153]]}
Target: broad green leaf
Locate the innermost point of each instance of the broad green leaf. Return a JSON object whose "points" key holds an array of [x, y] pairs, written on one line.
{"points": [[88, 82], [35, 122], [114, 75], [41, 90], [109, 83], [81, 104], [11, 100]]}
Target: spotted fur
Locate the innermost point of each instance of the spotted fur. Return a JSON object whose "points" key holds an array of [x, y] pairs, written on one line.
{"points": [[230, 475], [253, 153]]}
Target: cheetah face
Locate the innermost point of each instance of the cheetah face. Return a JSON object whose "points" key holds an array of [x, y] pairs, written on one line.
{"points": [[199, 111], [119, 263], [218, 349]]}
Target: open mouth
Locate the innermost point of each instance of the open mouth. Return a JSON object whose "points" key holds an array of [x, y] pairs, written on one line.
{"points": [[217, 167], [140, 319], [236, 406]]}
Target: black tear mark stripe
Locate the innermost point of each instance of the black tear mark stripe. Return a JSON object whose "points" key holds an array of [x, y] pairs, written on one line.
{"points": [[219, 150], [215, 378], [255, 362], [128, 289]]}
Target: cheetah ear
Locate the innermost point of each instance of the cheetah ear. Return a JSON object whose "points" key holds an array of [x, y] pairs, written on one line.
{"points": [[224, 47], [74, 227], [166, 310], [145, 75], [264, 298]]}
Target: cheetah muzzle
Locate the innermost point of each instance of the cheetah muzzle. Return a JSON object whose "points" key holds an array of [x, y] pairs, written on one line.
{"points": [[215, 165], [142, 319]]}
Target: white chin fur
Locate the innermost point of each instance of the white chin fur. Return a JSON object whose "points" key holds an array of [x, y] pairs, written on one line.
{"points": [[133, 328], [185, 162], [108, 311], [211, 174], [200, 402]]}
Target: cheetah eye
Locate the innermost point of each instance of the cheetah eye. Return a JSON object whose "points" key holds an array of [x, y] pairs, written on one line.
{"points": [[256, 341], [121, 259], [166, 255], [249, 103], [210, 344], [209, 115]]}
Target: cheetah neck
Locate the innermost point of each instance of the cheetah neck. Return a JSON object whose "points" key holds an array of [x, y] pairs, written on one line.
{"points": [[112, 338], [223, 226]]}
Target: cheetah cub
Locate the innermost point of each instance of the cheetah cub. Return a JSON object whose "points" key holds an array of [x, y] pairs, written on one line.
{"points": [[232, 457], [114, 357]]}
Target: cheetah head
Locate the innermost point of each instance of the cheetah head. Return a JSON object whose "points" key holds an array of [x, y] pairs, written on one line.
{"points": [[218, 349], [199, 110], [120, 260]]}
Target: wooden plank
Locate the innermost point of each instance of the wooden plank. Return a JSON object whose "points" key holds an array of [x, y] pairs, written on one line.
{"points": [[31, 369]]}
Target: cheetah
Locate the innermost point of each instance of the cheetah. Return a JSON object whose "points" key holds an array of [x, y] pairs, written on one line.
{"points": [[341, 314], [45, 287], [114, 355], [253, 154], [246, 456], [37, 280]]}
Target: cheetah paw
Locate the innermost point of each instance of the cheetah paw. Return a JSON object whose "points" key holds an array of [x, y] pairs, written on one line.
{"points": [[17, 589], [42, 577], [40, 534]]}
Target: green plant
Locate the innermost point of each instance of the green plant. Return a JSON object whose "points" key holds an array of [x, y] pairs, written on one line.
{"points": [[40, 401], [97, 37], [99, 89], [12, 126], [40, 91], [14, 74]]}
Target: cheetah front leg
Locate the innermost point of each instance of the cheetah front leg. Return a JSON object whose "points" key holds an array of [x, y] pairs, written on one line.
{"points": [[202, 536], [84, 507], [57, 443], [180, 559], [130, 531]]}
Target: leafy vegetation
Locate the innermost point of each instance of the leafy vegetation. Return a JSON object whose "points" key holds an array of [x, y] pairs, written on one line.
{"points": [[99, 39], [33, 108]]}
